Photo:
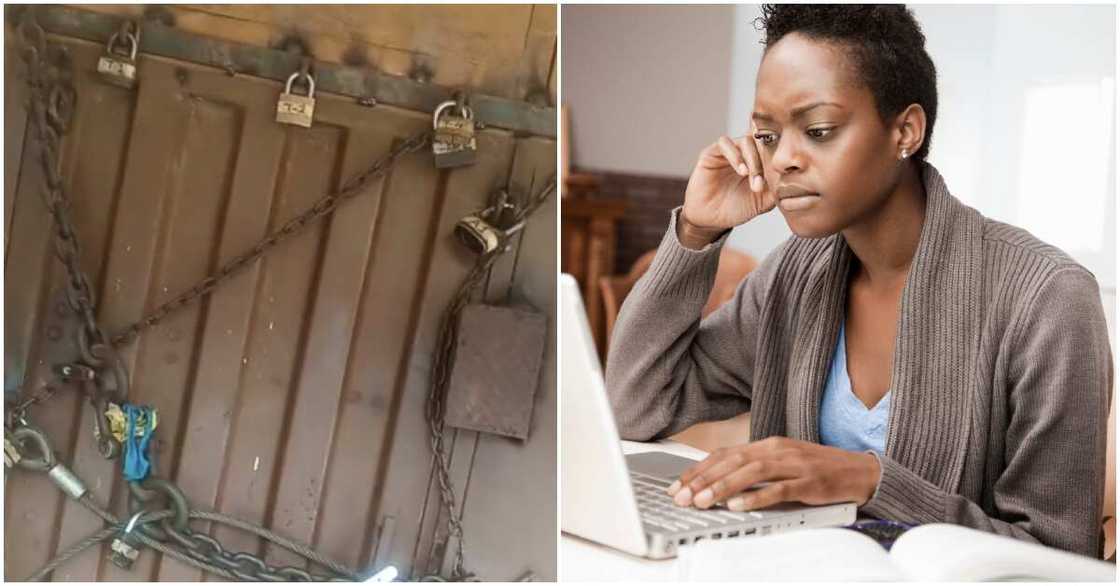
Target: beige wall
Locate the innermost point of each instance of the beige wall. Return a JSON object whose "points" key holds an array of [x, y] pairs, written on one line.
{"points": [[646, 86]]}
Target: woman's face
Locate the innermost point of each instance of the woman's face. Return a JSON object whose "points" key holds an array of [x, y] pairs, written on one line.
{"points": [[839, 150]]}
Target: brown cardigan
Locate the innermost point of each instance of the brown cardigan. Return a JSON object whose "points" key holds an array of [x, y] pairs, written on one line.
{"points": [[1001, 379]]}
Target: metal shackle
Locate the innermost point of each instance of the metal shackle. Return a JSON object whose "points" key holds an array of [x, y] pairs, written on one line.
{"points": [[41, 463], [133, 42], [466, 111], [310, 83]]}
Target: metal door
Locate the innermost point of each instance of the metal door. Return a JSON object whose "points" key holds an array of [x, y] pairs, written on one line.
{"points": [[292, 396]]}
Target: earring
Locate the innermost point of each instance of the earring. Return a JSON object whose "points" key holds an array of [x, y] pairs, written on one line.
{"points": [[905, 154]]}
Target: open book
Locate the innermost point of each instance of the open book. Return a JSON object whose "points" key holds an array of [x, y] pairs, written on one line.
{"points": [[938, 552]]}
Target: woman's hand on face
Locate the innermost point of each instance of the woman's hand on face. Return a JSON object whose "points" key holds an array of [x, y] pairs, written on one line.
{"points": [[726, 188], [795, 471]]}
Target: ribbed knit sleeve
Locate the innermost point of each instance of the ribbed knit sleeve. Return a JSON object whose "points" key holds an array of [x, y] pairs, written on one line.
{"points": [[667, 370], [1059, 390]]}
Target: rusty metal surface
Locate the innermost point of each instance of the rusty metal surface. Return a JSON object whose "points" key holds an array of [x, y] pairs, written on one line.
{"points": [[497, 360], [292, 396], [356, 82]]}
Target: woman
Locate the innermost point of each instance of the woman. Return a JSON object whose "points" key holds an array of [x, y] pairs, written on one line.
{"points": [[900, 351]]}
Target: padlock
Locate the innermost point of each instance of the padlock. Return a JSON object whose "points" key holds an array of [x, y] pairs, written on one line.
{"points": [[480, 233], [454, 143], [123, 552], [117, 69], [294, 108]]}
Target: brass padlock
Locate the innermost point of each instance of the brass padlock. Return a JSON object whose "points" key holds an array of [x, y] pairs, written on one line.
{"points": [[294, 108], [454, 143], [479, 232], [117, 69]]}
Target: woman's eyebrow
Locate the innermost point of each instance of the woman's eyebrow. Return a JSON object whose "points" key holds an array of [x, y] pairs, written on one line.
{"points": [[794, 113]]}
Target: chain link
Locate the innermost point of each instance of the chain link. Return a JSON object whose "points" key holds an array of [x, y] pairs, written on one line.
{"points": [[18, 412], [243, 565]]}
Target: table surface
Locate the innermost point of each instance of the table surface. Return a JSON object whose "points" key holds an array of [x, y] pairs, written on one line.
{"points": [[583, 560]]}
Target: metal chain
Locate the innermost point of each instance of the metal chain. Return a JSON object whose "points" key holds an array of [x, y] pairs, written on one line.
{"points": [[103, 376], [52, 103], [51, 109], [173, 537], [441, 367], [18, 412], [203, 547], [327, 204], [435, 406]]}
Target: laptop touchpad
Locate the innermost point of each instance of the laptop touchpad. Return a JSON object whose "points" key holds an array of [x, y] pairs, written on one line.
{"points": [[659, 464]]}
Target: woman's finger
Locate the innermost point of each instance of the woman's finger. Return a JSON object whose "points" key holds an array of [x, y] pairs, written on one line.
{"points": [[731, 152], [680, 491], [744, 478], [712, 157], [769, 448], [754, 162], [778, 492], [713, 474]]}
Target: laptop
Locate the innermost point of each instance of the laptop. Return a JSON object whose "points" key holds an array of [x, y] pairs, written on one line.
{"points": [[620, 501]]}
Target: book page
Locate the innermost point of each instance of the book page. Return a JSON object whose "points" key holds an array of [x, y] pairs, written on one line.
{"points": [[831, 554], [952, 552]]}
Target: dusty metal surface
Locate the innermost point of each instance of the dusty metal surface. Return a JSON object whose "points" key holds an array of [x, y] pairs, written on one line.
{"points": [[356, 82], [294, 395], [497, 361]]}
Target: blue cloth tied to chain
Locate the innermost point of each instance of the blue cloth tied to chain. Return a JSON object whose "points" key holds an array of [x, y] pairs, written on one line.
{"points": [[135, 461]]}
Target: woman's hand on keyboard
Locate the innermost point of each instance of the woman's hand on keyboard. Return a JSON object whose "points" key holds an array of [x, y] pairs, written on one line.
{"points": [[795, 471]]}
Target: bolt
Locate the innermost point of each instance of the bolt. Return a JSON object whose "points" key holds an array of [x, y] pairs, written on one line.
{"points": [[421, 73], [355, 56]]}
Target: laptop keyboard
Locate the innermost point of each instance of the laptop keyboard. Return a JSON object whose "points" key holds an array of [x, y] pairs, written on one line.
{"points": [[658, 510]]}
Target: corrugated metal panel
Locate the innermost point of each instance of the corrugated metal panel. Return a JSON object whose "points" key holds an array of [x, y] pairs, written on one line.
{"points": [[292, 396]]}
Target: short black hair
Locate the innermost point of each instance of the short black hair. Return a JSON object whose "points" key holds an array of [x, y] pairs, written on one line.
{"points": [[885, 43]]}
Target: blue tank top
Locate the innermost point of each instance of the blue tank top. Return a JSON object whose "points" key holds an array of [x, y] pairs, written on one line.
{"points": [[845, 422]]}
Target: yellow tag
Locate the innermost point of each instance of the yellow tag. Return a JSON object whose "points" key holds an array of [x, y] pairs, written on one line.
{"points": [[118, 422]]}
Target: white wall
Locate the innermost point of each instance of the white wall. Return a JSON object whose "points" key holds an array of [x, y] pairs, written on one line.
{"points": [[646, 86], [1025, 130]]}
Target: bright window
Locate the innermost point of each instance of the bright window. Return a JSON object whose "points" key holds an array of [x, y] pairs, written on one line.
{"points": [[1063, 177]]}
